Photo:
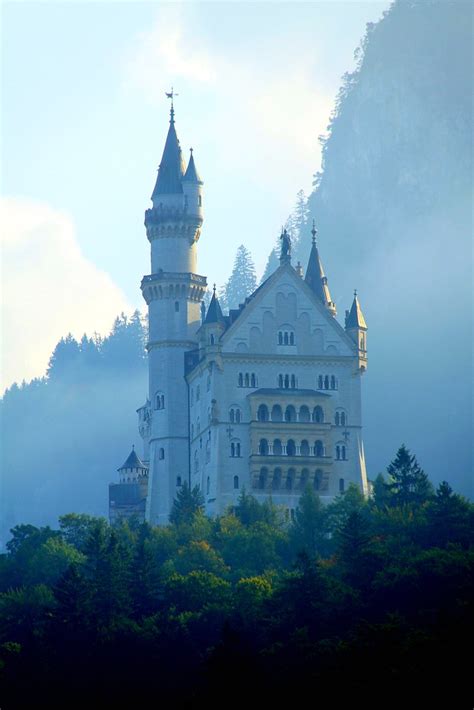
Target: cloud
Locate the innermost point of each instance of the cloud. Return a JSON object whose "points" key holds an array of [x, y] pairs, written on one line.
{"points": [[49, 288]]}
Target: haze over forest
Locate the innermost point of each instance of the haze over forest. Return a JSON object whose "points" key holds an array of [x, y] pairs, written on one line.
{"points": [[392, 205]]}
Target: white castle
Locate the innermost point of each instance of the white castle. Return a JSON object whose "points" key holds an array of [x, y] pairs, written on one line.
{"points": [[266, 399]]}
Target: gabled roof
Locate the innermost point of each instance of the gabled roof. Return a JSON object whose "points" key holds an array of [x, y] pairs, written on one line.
{"points": [[214, 312], [355, 319], [171, 170], [133, 462], [191, 174]]}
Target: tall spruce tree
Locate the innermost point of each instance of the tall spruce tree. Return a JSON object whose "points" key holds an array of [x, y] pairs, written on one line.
{"points": [[242, 281], [408, 483]]}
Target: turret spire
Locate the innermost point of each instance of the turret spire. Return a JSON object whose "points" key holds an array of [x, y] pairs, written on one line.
{"points": [[315, 277], [191, 174], [171, 170]]}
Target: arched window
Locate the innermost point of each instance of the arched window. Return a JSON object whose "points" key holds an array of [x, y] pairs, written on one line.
{"points": [[285, 338], [320, 382], [333, 382], [290, 448], [176, 306], [262, 480], [262, 413], [277, 448], [237, 416], [280, 338], [343, 419], [304, 448], [318, 415], [200, 200], [236, 482], [159, 400], [241, 380], [304, 415], [318, 479], [237, 449], [338, 452], [247, 379], [290, 414], [318, 448], [287, 382], [293, 382], [362, 341], [280, 381], [212, 339], [232, 449], [263, 447], [276, 483], [178, 481], [292, 338], [208, 485], [341, 485], [277, 415], [304, 478], [290, 479], [232, 416], [338, 419], [253, 380], [343, 452], [326, 382], [161, 454]]}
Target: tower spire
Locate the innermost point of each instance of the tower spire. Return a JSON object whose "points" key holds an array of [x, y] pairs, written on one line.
{"points": [[171, 170], [316, 278]]}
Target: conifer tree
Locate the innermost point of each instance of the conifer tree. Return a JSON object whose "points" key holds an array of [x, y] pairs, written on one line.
{"points": [[408, 484], [187, 503], [272, 265], [242, 281], [307, 532]]}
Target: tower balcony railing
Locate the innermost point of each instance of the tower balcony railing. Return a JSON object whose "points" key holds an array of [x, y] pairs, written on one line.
{"points": [[175, 276], [157, 215], [285, 459]]}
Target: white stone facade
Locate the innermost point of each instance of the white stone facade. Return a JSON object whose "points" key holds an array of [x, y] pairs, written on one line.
{"points": [[267, 398]]}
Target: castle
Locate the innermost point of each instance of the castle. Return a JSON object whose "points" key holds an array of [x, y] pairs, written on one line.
{"points": [[266, 398]]}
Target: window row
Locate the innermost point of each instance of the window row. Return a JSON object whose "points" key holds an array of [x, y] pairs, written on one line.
{"points": [[235, 449], [276, 414], [247, 379], [327, 382], [286, 337], [292, 480], [277, 448], [287, 382]]}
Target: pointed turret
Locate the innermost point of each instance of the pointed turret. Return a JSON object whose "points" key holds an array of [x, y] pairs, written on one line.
{"points": [[356, 328], [171, 170], [133, 462], [214, 312], [191, 174], [315, 277]]}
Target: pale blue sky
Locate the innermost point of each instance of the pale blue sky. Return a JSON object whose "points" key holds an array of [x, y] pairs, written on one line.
{"points": [[84, 118]]}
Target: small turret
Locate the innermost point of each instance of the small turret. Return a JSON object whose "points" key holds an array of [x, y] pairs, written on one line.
{"points": [[356, 328], [316, 279], [214, 322], [192, 189]]}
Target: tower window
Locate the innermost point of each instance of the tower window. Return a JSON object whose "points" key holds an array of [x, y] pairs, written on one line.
{"points": [[236, 482], [178, 481], [241, 380], [159, 400], [341, 485], [262, 413], [200, 201], [161, 454], [176, 306]]}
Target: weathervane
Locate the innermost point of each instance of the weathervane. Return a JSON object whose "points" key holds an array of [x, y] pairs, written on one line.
{"points": [[170, 95]]}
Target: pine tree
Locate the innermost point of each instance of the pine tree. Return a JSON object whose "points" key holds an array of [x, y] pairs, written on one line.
{"points": [[409, 484], [187, 503], [307, 532], [64, 359], [242, 281], [272, 265], [451, 517]]}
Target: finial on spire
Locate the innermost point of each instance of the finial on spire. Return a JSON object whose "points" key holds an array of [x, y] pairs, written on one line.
{"points": [[314, 231], [355, 293], [133, 447], [191, 150], [214, 289], [170, 95]]}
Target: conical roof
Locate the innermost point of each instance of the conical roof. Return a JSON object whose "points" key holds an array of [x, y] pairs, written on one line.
{"points": [[171, 170], [191, 174], [355, 319], [315, 277], [214, 312], [133, 461]]}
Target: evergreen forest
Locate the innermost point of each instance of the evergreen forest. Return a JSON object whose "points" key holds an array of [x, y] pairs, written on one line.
{"points": [[362, 601]]}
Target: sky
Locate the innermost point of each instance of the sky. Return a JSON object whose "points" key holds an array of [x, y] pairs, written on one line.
{"points": [[83, 122]]}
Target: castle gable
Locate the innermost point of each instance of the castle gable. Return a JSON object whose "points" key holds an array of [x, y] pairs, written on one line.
{"points": [[285, 317]]}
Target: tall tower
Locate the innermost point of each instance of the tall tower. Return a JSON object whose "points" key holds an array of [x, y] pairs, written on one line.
{"points": [[173, 292]]}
